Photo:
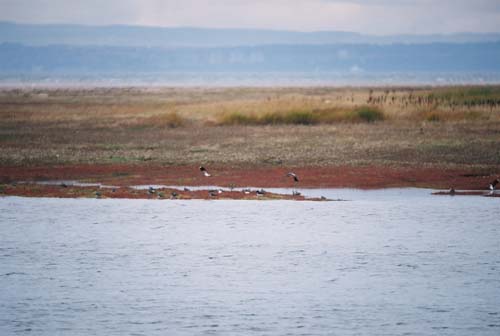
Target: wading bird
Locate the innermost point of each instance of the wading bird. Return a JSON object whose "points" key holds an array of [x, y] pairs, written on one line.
{"points": [[295, 181], [204, 171], [493, 185]]}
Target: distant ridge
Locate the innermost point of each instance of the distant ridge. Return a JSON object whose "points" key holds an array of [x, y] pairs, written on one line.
{"points": [[350, 58], [141, 36]]}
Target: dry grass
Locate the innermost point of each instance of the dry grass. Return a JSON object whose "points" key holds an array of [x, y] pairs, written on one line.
{"points": [[241, 126]]}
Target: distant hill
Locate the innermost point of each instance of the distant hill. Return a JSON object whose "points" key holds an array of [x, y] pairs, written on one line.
{"points": [[138, 36], [440, 57]]}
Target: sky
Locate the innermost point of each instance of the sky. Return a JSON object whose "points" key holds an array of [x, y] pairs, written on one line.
{"points": [[380, 17]]}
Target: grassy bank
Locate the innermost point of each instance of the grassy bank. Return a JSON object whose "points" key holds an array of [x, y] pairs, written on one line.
{"points": [[455, 126]]}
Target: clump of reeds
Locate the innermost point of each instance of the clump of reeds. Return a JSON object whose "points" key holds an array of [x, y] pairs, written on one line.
{"points": [[303, 117], [237, 118], [170, 120], [368, 114], [269, 118], [290, 117]]}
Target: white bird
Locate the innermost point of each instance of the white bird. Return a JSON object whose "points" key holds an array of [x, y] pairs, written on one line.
{"points": [[493, 184], [204, 171]]}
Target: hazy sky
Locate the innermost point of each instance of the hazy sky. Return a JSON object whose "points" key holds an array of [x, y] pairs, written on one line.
{"points": [[366, 16]]}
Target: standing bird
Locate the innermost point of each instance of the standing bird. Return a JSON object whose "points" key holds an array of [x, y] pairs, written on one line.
{"points": [[295, 181], [493, 184], [204, 171]]}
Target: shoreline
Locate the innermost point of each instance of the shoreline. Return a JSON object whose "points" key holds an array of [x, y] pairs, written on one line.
{"points": [[348, 137], [25, 181]]}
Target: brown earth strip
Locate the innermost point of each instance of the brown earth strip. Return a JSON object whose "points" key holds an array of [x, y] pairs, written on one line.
{"points": [[310, 177], [64, 191]]}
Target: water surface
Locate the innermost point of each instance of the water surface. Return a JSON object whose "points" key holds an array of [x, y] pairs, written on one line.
{"points": [[251, 79], [385, 262]]}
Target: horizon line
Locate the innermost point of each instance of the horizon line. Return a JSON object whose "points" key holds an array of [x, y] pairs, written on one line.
{"points": [[448, 34]]}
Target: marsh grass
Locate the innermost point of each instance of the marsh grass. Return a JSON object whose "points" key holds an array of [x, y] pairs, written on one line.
{"points": [[272, 126], [467, 95], [333, 115], [368, 114], [178, 108], [164, 120], [446, 115]]}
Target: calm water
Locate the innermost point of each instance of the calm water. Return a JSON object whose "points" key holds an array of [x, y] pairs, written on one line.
{"points": [[230, 79], [383, 263]]}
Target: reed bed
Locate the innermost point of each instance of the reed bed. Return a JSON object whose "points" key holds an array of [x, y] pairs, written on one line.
{"points": [[303, 117], [274, 126]]}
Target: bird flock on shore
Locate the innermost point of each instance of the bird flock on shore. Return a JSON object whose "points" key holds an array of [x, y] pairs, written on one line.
{"points": [[294, 177], [152, 191], [247, 191], [491, 189]]}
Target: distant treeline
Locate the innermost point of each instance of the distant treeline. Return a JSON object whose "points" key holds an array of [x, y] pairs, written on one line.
{"points": [[434, 57], [137, 36]]}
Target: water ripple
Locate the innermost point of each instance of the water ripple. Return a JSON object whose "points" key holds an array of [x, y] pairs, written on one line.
{"points": [[380, 264]]}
